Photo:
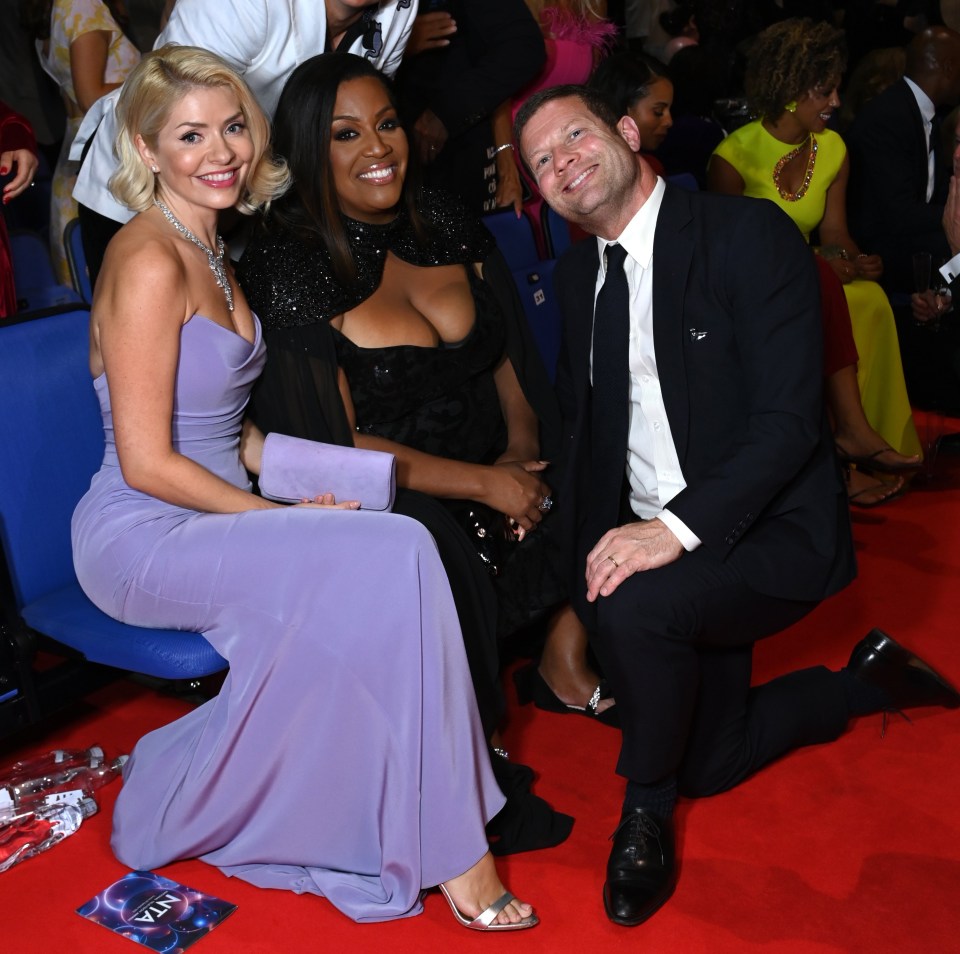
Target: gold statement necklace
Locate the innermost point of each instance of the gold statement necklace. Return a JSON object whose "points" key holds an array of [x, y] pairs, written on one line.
{"points": [[785, 194]]}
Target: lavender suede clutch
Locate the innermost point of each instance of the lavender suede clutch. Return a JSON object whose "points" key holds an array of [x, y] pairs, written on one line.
{"points": [[293, 469]]}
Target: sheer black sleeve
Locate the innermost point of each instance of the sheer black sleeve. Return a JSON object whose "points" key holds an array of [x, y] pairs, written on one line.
{"points": [[297, 393]]}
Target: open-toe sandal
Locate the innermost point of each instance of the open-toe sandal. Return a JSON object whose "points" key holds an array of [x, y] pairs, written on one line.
{"points": [[485, 920], [532, 687], [874, 462], [887, 492]]}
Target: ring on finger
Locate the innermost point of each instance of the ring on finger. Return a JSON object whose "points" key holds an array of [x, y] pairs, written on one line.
{"points": [[613, 560], [545, 503]]}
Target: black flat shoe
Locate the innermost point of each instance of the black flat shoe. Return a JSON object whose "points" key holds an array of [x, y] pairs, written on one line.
{"points": [[641, 871], [880, 661], [532, 687]]}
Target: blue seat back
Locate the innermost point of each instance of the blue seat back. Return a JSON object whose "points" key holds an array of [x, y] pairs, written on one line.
{"points": [[535, 285], [33, 275], [52, 437], [556, 232], [32, 267], [515, 237], [77, 260]]}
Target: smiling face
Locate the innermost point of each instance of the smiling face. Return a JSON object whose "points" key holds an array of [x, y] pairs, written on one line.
{"points": [[203, 151], [651, 113], [816, 107], [368, 151], [586, 171]]}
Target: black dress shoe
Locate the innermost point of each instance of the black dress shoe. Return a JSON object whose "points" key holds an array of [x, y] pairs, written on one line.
{"points": [[641, 872], [880, 661]]}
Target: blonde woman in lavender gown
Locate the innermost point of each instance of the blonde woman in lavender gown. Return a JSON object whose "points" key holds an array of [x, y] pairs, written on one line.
{"points": [[264, 781]]}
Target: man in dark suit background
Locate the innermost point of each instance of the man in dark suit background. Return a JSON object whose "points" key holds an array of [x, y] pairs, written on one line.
{"points": [[698, 490], [898, 176], [895, 199]]}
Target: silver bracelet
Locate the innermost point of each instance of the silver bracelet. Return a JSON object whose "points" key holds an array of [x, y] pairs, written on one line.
{"points": [[506, 145]]}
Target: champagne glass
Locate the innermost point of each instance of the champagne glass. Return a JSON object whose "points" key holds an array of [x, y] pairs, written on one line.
{"points": [[942, 296], [931, 285]]}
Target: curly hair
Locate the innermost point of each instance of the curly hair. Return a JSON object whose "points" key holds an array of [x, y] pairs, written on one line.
{"points": [[790, 58]]}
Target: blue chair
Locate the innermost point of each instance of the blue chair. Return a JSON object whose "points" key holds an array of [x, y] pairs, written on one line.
{"points": [[556, 232], [33, 275], [535, 285], [77, 260], [52, 436], [514, 237]]}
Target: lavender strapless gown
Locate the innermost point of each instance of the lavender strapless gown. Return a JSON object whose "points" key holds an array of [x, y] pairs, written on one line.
{"points": [[343, 755]]}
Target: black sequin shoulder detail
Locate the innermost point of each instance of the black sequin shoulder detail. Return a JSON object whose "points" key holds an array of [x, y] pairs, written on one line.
{"points": [[289, 281]]}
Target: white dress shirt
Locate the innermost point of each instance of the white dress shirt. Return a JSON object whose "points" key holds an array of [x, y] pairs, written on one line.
{"points": [[652, 465], [927, 111], [263, 40]]}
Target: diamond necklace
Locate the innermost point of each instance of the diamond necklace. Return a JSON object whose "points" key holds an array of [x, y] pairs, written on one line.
{"points": [[214, 259]]}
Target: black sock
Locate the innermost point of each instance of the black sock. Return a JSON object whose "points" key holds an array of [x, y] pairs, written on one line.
{"points": [[862, 698], [659, 798]]}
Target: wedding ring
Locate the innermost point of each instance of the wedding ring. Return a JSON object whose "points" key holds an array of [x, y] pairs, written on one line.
{"points": [[545, 503], [614, 562]]}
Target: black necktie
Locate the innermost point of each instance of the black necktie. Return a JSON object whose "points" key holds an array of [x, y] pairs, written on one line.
{"points": [[611, 394]]}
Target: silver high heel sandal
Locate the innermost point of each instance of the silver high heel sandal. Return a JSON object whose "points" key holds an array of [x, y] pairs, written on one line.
{"points": [[484, 920]]}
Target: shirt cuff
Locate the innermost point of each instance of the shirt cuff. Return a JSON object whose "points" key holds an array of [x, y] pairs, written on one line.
{"points": [[680, 530], [951, 270]]}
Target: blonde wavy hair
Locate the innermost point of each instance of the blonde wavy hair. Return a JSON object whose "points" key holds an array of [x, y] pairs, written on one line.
{"points": [[158, 82]]}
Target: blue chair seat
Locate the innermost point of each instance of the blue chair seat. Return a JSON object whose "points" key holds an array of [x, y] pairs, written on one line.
{"points": [[67, 616]]}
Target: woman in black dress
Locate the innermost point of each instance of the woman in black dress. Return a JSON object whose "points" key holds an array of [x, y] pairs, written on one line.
{"points": [[392, 323]]}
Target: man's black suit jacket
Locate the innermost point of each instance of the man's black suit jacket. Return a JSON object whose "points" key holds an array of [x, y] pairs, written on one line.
{"points": [[737, 336], [887, 203]]}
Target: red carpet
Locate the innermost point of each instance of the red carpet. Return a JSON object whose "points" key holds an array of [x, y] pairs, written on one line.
{"points": [[850, 847]]}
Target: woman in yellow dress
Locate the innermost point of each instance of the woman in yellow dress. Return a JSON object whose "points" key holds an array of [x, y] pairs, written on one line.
{"points": [[790, 157]]}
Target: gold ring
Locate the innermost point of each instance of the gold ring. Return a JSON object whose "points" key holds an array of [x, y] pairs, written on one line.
{"points": [[614, 562]]}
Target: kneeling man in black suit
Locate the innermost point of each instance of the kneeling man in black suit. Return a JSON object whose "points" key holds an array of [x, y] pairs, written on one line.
{"points": [[701, 502]]}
